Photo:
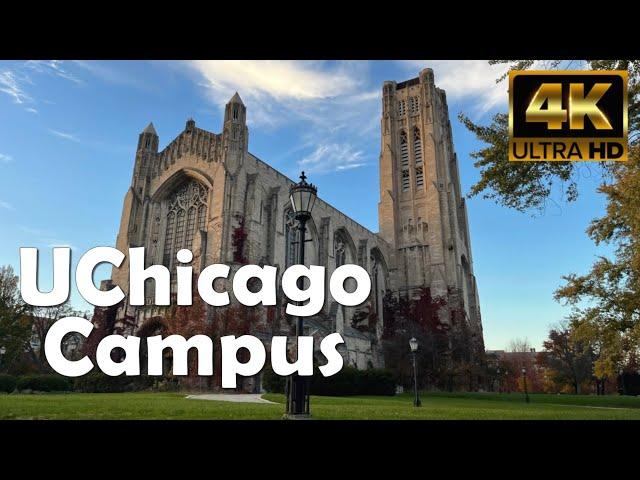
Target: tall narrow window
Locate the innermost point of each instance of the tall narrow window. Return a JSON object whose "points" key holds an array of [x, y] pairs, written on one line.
{"points": [[290, 238], [404, 160], [417, 146], [202, 213], [185, 204], [417, 154], [404, 150], [168, 239], [191, 221]]}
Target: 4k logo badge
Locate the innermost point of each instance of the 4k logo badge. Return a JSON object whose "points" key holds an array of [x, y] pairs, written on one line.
{"points": [[568, 115]]}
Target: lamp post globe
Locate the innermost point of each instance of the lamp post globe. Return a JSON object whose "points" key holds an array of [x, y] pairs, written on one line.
{"points": [[303, 197]]}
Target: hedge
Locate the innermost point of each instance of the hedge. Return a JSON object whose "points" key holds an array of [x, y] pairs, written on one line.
{"points": [[349, 381], [7, 383], [44, 383], [271, 382], [98, 382]]}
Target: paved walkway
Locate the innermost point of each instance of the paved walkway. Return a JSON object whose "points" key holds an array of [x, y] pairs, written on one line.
{"points": [[231, 397]]}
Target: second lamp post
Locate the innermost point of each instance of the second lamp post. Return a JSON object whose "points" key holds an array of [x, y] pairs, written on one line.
{"points": [[413, 344], [302, 196]]}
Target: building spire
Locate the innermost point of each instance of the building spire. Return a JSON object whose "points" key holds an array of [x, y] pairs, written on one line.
{"points": [[236, 99], [150, 129]]}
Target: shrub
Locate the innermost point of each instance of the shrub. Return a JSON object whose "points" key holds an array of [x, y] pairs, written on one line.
{"points": [[98, 382], [44, 383], [272, 382], [351, 381], [7, 383]]}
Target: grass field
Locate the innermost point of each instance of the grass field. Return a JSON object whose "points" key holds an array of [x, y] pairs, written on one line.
{"points": [[464, 406]]}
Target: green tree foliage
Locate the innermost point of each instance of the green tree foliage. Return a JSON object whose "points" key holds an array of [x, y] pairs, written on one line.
{"points": [[612, 286], [527, 186], [568, 359], [523, 186], [15, 325], [609, 322]]}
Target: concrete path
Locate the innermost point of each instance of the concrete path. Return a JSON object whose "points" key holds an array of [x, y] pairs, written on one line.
{"points": [[231, 397]]}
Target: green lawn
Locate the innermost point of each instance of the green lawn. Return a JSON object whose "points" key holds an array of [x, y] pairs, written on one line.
{"points": [[434, 406]]}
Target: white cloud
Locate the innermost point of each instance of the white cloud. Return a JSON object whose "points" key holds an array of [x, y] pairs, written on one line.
{"points": [[65, 135], [6, 205], [332, 157], [331, 105], [278, 79], [5, 158], [53, 67], [11, 84], [468, 80]]}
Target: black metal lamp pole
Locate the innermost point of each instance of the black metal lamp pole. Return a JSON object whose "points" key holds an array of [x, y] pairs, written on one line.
{"points": [[524, 378], [499, 381], [413, 344], [303, 196]]}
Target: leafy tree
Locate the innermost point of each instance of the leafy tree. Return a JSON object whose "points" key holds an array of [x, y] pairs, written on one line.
{"points": [[569, 360], [612, 286], [15, 325], [610, 322], [526, 186], [41, 319]]}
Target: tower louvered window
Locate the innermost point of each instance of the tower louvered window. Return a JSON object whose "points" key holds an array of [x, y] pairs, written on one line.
{"points": [[402, 107], [405, 180], [404, 150], [413, 105], [185, 205], [417, 153], [404, 160]]}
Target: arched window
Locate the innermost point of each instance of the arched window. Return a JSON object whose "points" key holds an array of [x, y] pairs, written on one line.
{"points": [[340, 248], [188, 202], [290, 235]]}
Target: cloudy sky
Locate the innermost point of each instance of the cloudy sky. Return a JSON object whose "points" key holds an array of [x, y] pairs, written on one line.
{"points": [[68, 132]]}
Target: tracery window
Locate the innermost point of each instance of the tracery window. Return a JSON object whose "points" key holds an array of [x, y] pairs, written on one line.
{"points": [[184, 206]]}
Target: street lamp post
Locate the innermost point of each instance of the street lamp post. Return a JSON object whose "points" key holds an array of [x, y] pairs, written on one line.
{"points": [[622, 383], [413, 344], [499, 382], [303, 196], [524, 378]]}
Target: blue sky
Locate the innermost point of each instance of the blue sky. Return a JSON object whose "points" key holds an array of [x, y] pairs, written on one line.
{"points": [[68, 132]]}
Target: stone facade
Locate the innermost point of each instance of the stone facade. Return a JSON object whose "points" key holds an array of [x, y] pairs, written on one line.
{"points": [[207, 192]]}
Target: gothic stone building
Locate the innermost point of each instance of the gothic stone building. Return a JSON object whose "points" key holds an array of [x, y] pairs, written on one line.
{"points": [[204, 188]]}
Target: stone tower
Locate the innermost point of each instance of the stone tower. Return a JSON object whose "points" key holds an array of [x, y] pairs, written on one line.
{"points": [[421, 212]]}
